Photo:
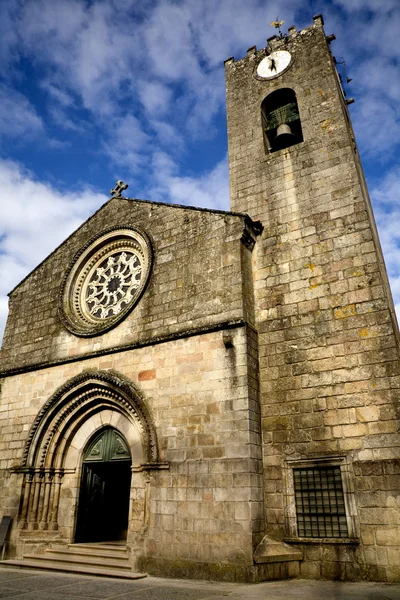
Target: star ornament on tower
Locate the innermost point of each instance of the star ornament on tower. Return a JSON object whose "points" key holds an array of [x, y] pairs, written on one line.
{"points": [[120, 186]]}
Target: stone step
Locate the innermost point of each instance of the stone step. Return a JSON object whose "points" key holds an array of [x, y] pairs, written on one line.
{"points": [[77, 559], [88, 553], [115, 548], [108, 560], [72, 568]]}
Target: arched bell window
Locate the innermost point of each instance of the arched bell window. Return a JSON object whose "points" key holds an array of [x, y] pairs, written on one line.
{"points": [[281, 120]]}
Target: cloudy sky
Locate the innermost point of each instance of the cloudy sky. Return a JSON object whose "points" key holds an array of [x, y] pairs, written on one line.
{"points": [[92, 91]]}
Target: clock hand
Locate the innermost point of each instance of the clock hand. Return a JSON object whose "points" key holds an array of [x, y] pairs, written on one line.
{"points": [[273, 64]]}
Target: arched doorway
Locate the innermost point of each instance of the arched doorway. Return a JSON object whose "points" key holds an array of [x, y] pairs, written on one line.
{"points": [[103, 508], [80, 410]]}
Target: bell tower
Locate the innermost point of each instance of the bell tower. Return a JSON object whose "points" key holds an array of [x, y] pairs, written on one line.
{"points": [[327, 332], [288, 95]]}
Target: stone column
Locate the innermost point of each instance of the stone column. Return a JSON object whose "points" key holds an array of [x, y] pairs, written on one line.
{"points": [[36, 499], [56, 499], [46, 500], [27, 497]]}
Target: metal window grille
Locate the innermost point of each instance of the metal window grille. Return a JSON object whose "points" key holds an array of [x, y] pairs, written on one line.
{"points": [[320, 502]]}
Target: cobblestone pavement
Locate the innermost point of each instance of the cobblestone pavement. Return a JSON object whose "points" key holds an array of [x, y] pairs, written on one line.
{"points": [[32, 585]]}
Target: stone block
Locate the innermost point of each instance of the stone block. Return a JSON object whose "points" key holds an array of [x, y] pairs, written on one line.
{"points": [[367, 413], [270, 550], [388, 536], [310, 570]]}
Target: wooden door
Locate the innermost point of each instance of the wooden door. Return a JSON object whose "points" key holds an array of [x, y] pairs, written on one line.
{"points": [[104, 492]]}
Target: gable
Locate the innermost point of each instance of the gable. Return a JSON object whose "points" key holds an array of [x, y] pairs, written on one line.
{"points": [[196, 282]]}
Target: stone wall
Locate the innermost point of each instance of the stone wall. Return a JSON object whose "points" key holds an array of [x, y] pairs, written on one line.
{"points": [[329, 360], [196, 282], [205, 512]]}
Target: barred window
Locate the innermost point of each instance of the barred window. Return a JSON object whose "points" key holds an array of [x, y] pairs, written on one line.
{"points": [[320, 505]]}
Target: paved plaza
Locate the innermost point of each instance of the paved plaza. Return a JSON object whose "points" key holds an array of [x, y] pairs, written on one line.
{"points": [[34, 585]]}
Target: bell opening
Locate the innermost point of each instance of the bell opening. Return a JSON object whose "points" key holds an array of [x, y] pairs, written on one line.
{"points": [[281, 120]]}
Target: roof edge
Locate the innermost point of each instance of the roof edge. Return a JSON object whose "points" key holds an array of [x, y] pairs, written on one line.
{"points": [[57, 247], [255, 225]]}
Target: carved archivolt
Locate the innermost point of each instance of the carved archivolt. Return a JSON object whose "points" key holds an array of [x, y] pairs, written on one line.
{"points": [[73, 403], [105, 281], [55, 426]]}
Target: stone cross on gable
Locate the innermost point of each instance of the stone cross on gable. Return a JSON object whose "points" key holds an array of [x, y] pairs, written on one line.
{"points": [[120, 186]]}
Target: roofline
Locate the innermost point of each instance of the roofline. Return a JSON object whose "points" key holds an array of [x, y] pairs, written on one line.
{"points": [[255, 225], [174, 205], [56, 248]]}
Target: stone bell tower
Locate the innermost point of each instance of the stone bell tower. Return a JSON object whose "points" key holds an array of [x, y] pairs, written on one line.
{"points": [[327, 331]]}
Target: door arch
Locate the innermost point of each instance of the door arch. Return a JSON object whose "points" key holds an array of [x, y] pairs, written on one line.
{"points": [[103, 506], [54, 443]]}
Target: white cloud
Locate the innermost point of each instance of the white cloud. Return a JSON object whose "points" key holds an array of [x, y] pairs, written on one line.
{"points": [[102, 57], [169, 42], [53, 25], [59, 118], [386, 200], [62, 107], [107, 52], [127, 142], [17, 115], [162, 166], [223, 27], [208, 99], [9, 38], [168, 136], [377, 126], [210, 190], [155, 97], [387, 193], [35, 218], [84, 47], [378, 74], [61, 96], [367, 38], [370, 5]]}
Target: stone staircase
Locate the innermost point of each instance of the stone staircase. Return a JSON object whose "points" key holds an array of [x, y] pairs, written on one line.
{"points": [[106, 560]]}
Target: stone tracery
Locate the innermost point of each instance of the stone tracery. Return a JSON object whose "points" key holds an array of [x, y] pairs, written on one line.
{"points": [[113, 284], [105, 281]]}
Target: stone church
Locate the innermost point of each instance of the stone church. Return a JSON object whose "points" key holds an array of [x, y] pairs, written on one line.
{"points": [[198, 393]]}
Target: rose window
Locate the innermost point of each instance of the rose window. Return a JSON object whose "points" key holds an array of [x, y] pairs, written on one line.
{"points": [[113, 284], [105, 281]]}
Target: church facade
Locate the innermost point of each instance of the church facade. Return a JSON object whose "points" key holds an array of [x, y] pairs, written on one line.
{"points": [[218, 391]]}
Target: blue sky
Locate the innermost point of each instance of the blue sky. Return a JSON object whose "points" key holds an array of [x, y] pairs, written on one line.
{"points": [[100, 90]]}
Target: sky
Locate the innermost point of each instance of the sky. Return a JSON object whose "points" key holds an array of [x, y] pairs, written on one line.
{"points": [[92, 91]]}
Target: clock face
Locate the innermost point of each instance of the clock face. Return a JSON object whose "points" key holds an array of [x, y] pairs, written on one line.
{"points": [[274, 64]]}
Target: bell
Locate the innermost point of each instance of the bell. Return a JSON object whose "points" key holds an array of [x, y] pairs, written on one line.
{"points": [[284, 137]]}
